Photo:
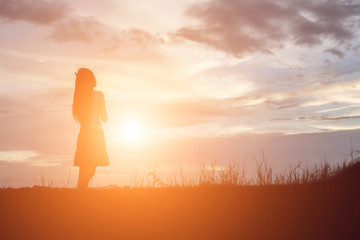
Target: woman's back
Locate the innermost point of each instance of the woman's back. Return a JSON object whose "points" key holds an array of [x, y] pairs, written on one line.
{"points": [[96, 111]]}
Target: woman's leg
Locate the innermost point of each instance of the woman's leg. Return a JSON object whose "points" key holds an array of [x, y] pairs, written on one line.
{"points": [[81, 179], [91, 173], [85, 174]]}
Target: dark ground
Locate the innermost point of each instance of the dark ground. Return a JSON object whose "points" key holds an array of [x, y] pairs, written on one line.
{"points": [[329, 210]]}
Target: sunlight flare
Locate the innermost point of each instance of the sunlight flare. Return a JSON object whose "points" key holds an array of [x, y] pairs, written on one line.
{"points": [[132, 132]]}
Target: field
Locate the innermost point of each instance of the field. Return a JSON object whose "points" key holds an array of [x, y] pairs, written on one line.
{"points": [[327, 209]]}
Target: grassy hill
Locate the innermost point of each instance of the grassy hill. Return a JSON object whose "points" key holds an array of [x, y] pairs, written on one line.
{"points": [[324, 210]]}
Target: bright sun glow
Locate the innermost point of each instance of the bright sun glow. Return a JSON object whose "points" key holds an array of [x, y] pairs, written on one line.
{"points": [[132, 132]]}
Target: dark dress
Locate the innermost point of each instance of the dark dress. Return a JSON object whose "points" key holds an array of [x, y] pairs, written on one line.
{"points": [[91, 145]]}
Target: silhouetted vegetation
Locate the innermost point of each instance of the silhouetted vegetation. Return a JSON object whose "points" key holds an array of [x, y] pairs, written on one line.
{"points": [[230, 174], [234, 174], [221, 203]]}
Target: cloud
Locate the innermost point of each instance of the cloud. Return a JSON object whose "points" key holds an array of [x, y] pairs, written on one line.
{"points": [[46, 160], [67, 25], [133, 36], [17, 156], [335, 52], [326, 118], [182, 113], [280, 119], [241, 27], [33, 11], [64, 22], [89, 29], [282, 104], [84, 29], [141, 37], [33, 125]]}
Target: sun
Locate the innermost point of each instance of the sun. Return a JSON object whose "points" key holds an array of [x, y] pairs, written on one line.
{"points": [[132, 132]]}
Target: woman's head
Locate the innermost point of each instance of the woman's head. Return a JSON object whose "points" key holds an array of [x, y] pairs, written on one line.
{"points": [[84, 83], [85, 79]]}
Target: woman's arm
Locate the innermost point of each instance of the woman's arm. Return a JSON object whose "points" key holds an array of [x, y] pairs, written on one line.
{"points": [[102, 108], [103, 113]]}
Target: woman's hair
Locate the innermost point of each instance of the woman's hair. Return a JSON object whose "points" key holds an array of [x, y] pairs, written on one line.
{"points": [[84, 83]]}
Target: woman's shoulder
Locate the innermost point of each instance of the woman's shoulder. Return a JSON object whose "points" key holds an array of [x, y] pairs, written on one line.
{"points": [[99, 96]]}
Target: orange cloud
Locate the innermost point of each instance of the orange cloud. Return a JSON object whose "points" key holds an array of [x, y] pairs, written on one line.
{"points": [[34, 11]]}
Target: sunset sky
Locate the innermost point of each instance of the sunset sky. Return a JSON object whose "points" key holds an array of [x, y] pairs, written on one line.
{"points": [[183, 80]]}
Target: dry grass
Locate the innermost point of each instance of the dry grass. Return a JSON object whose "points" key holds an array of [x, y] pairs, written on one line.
{"points": [[65, 181], [231, 174], [234, 174]]}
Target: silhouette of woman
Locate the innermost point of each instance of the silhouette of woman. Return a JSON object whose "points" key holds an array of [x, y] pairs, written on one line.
{"points": [[88, 108]]}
